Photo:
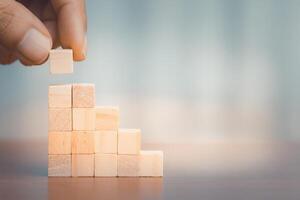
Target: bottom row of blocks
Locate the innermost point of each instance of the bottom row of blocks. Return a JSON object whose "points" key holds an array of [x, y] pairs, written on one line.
{"points": [[147, 163]]}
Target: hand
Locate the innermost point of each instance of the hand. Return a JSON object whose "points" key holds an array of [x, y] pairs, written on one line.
{"points": [[30, 28]]}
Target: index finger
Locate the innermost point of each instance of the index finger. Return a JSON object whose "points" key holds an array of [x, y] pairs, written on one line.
{"points": [[72, 25]]}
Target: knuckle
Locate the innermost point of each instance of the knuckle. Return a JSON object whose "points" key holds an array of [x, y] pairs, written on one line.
{"points": [[6, 14], [5, 3]]}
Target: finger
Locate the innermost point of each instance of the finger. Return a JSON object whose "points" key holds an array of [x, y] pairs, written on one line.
{"points": [[6, 56], [71, 23], [52, 28], [44, 11], [24, 33], [25, 62], [48, 17]]}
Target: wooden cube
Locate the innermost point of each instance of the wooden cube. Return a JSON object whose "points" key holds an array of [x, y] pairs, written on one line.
{"points": [[60, 119], [59, 165], [59, 142], [61, 61], [83, 164], [106, 142], [83, 95], [129, 141], [128, 165], [83, 119], [151, 163], [107, 118], [83, 142], [106, 164], [60, 96]]}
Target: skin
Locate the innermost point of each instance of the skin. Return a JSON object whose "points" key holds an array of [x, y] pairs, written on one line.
{"points": [[64, 22]]}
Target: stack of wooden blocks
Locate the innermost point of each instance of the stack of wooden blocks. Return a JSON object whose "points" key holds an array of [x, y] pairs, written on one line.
{"points": [[85, 140]]}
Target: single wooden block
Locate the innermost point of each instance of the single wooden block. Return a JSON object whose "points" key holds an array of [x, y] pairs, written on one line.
{"points": [[60, 119], [129, 141], [83, 164], [107, 118], [83, 142], [60, 96], [61, 61], [128, 165], [151, 163], [106, 164], [59, 142], [106, 142], [59, 165], [83, 95], [83, 119]]}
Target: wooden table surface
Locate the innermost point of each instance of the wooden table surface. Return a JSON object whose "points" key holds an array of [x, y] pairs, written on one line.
{"points": [[213, 170]]}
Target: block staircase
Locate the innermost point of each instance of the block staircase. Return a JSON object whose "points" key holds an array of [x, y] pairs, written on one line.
{"points": [[86, 141]]}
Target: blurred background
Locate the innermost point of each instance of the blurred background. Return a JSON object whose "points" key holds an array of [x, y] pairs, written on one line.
{"points": [[212, 83], [184, 71]]}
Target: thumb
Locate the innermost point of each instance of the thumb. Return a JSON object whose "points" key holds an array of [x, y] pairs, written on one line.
{"points": [[22, 32]]}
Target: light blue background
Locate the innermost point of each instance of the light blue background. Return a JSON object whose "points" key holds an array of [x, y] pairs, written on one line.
{"points": [[181, 70]]}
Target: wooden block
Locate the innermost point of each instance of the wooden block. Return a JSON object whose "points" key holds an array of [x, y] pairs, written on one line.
{"points": [[60, 119], [107, 118], [146, 164], [106, 142], [61, 61], [151, 163], [83, 164], [60, 96], [83, 142], [59, 143], [83, 119], [59, 165], [129, 141], [83, 95], [106, 164], [128, 165]]}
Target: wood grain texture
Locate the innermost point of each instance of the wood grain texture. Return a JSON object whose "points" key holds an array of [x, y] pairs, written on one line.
{"points": [[106, 165], [83, 142], [106, 142], [128, 165], [61, 61], [83, 119], [59, 165], [60, 119], [151, 163], [83, 165], [146, 164], [23, 174], [60, 96], [83, 95], [107, 118], [129, 141], [59, 142]]}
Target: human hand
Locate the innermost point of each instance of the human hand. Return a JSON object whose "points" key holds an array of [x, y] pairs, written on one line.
{"points": [[30, 28]]}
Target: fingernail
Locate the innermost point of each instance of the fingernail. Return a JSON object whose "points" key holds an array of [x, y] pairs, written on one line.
{"points": [[34, 46]]}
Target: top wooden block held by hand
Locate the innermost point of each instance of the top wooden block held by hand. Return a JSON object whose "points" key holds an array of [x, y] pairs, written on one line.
{"points": [[61, 61]]}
